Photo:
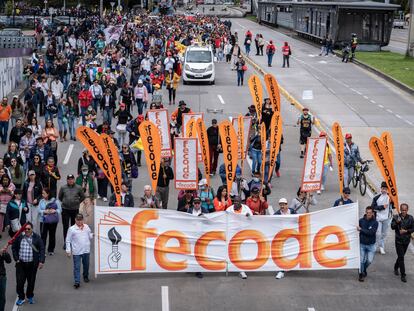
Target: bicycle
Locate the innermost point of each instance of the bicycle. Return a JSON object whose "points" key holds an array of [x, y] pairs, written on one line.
{"points": [[359, 176]]}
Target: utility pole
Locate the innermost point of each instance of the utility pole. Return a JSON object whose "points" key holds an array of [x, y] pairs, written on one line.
{"points": [[100, 9], [410, 45]]}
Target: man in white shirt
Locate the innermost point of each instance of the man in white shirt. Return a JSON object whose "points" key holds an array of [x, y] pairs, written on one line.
{"points": [[97, 94], [78, 244], [242, 209]]}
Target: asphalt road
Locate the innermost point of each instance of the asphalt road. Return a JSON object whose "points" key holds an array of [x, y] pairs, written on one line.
{"points": [[322, 290], [365, 105]]}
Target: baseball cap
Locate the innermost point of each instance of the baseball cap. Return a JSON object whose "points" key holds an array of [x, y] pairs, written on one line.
{"points": [[255, 190], [322, 134], [203, 182], [197, 199], [70, 176], [182, 103], [348, 135], [283, 200], [347, 190], [384, 185]]}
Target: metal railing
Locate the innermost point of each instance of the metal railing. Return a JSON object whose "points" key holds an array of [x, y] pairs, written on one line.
{"points": [[14, 42]]}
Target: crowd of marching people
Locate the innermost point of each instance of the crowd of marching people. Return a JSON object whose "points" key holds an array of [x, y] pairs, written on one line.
{"points": [[84, 78]]}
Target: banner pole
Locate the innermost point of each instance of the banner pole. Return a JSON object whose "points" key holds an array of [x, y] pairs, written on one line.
{"points": [[227, 244]]}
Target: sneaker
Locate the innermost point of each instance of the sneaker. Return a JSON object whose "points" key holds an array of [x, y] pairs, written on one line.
{"points": [[31, 300], [76, 285], [382, 251], [86, 279], [361, 277], [403, 279], [98, 197], [323, 188], [19, 302], [280, 275], [301, 156], [105, 199], [51, 253], [243, 275], [318, 192]]}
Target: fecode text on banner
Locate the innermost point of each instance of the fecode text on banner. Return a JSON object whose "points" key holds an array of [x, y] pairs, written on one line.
{"points": [[129, 240]]}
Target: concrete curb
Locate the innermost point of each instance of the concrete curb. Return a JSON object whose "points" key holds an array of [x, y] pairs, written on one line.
{"points": [[293, 101], [404, 87]]}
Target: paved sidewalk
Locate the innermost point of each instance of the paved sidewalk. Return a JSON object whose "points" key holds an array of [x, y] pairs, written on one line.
{"points": [[364, 104]]}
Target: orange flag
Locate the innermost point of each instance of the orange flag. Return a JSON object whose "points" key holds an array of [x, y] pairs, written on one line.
{"points": [[256, 90], [190, 128], [229, 142], [151, 141], [104, 152], [205, 152], [275, 140], [272, 88], [386, 167], [389, 145], [263, 141], [338, 139]]}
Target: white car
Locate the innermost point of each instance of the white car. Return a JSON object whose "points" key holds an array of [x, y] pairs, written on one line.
{"points": [[199, 65]]}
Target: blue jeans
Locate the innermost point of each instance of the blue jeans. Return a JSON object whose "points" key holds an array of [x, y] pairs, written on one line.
{"points": [[95, 103], [83, 111], [77, 266], [257, 160], [269, 59], [49, 115], [247, 49], [72, 126], [66, 80], [367, 253], [140, 105], [63, 126], [4, 128], [240, 77], [382, 231], [107, 115], [324, 173]]}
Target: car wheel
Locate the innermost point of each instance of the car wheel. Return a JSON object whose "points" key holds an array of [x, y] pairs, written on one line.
{"points": [[213, 82]]}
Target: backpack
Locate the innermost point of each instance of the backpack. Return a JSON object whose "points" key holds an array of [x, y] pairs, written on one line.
{"points": [[51, 218]]}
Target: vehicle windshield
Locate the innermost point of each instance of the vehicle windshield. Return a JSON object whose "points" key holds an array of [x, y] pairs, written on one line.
{"points": [[198, 57]]}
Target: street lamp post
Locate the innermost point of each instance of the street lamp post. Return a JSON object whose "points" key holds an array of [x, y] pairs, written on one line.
{"points": [[410, 44]]}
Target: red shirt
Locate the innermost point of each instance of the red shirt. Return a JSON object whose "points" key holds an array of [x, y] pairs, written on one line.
{"points": [[257, 206]]}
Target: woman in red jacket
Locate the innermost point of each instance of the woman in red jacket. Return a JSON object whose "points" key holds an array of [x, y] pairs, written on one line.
{"points": [[85, 99]]}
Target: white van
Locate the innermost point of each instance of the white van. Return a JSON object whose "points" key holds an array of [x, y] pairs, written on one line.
{"points": [[199, 64]]}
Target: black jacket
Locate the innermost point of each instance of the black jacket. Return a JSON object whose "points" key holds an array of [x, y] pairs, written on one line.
{"points": [[367, 234], [128, 200], [213, 135], [406, 223], [37, 190], [112, 104], [38, 251], [170, 175], [12, 212], [4, 257]]}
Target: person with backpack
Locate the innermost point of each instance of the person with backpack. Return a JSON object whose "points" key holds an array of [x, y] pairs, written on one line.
{"points": [[270, 51], [286, 51], [16, 211], [50, 210]]}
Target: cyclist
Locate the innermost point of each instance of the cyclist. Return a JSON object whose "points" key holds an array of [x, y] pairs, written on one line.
{"points": [[351, 158], [305, 122]]}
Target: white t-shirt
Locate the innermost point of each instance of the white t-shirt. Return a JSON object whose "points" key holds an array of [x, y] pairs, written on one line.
{"points": [[384, 214]]}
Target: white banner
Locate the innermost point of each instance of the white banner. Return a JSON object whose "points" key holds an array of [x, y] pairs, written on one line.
{"points": [[11, 72], [247, 123], [130, 240], [187, 117], [314, 161], [185, 163], [160, 118]]}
